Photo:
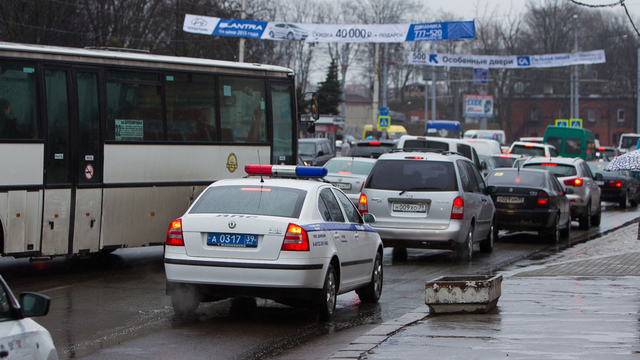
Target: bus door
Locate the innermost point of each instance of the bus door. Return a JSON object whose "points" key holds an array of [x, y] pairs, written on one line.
{"points": [[72, 207]]}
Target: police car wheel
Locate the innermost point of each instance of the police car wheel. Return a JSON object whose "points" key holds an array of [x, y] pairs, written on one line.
{"points": [[372, 292], [327, 299]]}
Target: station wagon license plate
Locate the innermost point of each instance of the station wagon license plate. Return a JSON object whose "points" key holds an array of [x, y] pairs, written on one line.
{"points": [[342, 186], [510, 199], [413, 208], [233, 240]]}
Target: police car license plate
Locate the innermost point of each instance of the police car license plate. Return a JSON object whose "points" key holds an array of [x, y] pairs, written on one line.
{"points": [[599, 183], [342, 186], [510, 199], [414, 208], [233, 240]]}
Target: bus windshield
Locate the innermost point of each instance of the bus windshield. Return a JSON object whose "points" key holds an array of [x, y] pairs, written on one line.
{"points": [[443, 128]]}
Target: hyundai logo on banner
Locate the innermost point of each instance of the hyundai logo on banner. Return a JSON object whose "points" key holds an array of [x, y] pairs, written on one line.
{"points": [[199, 22]]}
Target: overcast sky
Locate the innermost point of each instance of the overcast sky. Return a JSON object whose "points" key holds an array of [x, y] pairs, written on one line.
{"points": [[467, 8]]}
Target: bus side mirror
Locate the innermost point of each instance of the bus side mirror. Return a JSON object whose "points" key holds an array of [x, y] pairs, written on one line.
{"points": [[311, 127]]}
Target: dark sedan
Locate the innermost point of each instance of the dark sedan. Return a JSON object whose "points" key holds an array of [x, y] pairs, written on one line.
{"points": [[616, 186], [372, 148], [530, 200]]}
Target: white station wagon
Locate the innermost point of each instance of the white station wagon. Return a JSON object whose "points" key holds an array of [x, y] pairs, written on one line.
{"points": [[278, 234]]}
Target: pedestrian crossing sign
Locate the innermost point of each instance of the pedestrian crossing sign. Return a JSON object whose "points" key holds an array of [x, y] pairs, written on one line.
{"points": [[384, 122], [576, 123], [562, 122]]}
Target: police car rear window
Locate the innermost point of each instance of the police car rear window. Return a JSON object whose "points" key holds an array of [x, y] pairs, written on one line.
{"points": [[251, 200], [413, 175]]}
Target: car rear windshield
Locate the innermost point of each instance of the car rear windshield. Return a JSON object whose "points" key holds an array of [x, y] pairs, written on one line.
{"points": [[349, 167], [425, 144], [306, 148], [516, 178], [526, 150], [504, 161], [413, 175], [559, 170], [251, 200], [372, 150]]}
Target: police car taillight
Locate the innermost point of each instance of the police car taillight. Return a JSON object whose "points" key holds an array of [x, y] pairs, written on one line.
{"points": [[362, 204], [295, 239], [174, 234], [286, 170]]}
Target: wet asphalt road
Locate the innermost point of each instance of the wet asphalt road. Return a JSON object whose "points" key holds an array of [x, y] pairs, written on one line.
{"points": [[115, 307]]}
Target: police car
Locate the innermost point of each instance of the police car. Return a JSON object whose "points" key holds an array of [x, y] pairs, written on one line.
{"points": [[21, 337], [280, 233]]}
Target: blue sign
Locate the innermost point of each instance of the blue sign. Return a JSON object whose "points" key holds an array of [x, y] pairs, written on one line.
{"points": [[384, 111], [480, 76], [384, 122], [453, 30], [576, 123], [562, 122]]}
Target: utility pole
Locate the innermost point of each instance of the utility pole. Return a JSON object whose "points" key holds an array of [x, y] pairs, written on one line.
{"points": [[576, 91], [376, 81], [243, 15]]}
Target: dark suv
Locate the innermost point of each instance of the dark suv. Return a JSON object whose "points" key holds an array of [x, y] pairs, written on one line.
{"points": [[315, 151]]}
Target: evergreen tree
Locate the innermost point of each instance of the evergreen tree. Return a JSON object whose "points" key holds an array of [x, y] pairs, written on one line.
{"points": [[329, 93]]}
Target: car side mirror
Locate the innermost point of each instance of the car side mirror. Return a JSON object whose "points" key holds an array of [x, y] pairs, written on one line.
{"points": [[568, 191], [320, 153], [369, 218], [311, 127], [33, 305], [599, 176], [492, 189]]}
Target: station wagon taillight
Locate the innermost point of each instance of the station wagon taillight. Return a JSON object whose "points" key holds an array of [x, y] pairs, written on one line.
{"points": [[543, 198], [174, 234], [295, 239], [362, 203], [573, 182], [457, 212]]}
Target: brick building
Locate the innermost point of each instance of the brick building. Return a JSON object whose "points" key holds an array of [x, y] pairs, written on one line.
{"points": [[606, 116]]}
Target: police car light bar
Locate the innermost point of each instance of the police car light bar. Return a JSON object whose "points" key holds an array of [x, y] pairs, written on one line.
{"points": [[286, 170]]}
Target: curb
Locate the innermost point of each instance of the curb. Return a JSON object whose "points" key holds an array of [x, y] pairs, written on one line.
{"points": [[376, 336]]}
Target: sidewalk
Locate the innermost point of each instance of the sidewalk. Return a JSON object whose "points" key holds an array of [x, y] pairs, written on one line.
{"points": [[583, 303]]}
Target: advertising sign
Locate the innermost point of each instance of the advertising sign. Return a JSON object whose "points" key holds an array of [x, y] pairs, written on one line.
{"points": [[349, 33], [507, 62], [480, 106]]}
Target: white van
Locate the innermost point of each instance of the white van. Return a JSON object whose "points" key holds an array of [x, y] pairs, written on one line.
{"points": [[628, 142], [486, 147], [461, 146], [497, 135]]}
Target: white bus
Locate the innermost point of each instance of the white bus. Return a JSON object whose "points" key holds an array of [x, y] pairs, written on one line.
{"points": [[103, 149]]}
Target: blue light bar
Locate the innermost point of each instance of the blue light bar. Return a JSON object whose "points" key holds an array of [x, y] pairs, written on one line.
{"points": [[311, 171]]}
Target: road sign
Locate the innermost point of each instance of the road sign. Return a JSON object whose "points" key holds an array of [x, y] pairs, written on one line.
{"points": [[384, 111], [480, 76], [562, 122], [384, 122], [576, 123]]}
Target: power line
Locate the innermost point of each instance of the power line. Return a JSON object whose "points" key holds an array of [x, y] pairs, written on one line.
{"points": [[621, 3]]}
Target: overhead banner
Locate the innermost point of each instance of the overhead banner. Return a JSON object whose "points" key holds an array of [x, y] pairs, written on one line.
{"points": [[377, 33], [507, 62]]}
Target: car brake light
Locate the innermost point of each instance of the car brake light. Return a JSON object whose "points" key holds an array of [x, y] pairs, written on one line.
{"points": [[601, 149], [457, 212], [573, 182], [295, 239], [543, 198], [528, 145], [174, 234], [413, 157], [374, 142], [362, 204], [614, 183]]}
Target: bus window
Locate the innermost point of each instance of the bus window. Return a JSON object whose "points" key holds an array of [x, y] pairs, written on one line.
{"points": [[191, 112], [18, 101], [242, 109], [282, 117], [134, 109]]}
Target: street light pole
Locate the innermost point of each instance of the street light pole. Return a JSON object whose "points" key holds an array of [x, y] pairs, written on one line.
{"points": [[576, 91], [376, 82], [243, 15]]}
